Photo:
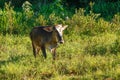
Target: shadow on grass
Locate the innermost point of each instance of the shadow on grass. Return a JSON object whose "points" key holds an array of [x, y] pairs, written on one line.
{"points": [[13, 59]]}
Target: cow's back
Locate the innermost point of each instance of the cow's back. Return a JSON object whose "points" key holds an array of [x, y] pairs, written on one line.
{"points": [[40, 36]]}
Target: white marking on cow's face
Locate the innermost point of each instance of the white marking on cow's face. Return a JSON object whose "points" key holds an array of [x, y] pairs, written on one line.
{"points": [[60, 29]]}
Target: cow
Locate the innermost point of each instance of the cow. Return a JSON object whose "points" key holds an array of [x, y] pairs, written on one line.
{"points": [[43, 37]]}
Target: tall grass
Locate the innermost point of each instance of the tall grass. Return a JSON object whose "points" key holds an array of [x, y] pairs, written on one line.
{"points": [[89, 58]]}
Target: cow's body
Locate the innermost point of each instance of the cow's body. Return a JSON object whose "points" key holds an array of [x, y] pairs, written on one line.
{"points": [[46, 36]]}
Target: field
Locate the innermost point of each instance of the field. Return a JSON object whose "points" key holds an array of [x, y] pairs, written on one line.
{"points": [[75, 60], [92, 40]]}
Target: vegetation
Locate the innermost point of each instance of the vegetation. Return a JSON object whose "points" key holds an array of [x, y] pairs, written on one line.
{"points": [[89, 58], [92, 40]]}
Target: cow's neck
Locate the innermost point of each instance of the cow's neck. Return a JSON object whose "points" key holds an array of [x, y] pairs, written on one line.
{"points": [[54, 37]]}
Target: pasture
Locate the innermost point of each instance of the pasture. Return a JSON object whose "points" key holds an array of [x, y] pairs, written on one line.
{"points": [[77, 59], [92, 40]]}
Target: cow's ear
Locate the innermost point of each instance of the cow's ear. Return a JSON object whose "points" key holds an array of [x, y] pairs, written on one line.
{"points": [[64, 27], [48, 29]]}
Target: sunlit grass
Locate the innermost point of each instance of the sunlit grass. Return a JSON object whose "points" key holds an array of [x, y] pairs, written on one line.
{"points": [[17, 60]]}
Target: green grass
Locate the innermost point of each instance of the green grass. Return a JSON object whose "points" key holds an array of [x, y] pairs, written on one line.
{"points": [[73, 62]]}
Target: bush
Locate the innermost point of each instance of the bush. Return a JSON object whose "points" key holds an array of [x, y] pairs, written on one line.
{"points": [[41, 20], [81, 24], [7, 19], [92, 24], [102, 44], [16, 22]]}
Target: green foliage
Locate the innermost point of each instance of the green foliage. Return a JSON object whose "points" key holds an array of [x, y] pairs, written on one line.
{"points": [[80, 23], [91, 24], [27, 16], [53, 19], [27, 10], [13, 22], [83, 24], [16, 22], [41, 20], [107, 9], [7, 19]]}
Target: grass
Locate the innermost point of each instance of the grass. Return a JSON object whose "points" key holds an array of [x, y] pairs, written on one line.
{"points": [[73, 62]]}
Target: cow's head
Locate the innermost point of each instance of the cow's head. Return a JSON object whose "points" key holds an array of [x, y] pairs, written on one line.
{"points": [[58, 29]]}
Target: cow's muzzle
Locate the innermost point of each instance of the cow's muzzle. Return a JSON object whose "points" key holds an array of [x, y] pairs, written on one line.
{"points": [[61, 42]]}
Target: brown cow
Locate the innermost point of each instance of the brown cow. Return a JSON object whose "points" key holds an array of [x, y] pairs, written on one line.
{"points": [[46, 36]]}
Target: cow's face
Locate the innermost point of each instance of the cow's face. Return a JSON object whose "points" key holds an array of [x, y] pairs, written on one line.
{"points": [[59, 30]]}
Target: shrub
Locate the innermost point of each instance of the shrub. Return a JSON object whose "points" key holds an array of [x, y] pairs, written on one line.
{"points": [[28, 16], [41, 20], [92, 24], [16, 22], [115, 23], [81, 24], [53, 19], [8, 19], [102, 44]]}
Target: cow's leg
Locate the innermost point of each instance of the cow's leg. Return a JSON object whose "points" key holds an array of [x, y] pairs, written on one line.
{"points": [[37, 50], [34, 50], [43, 51], [53, 50]]}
